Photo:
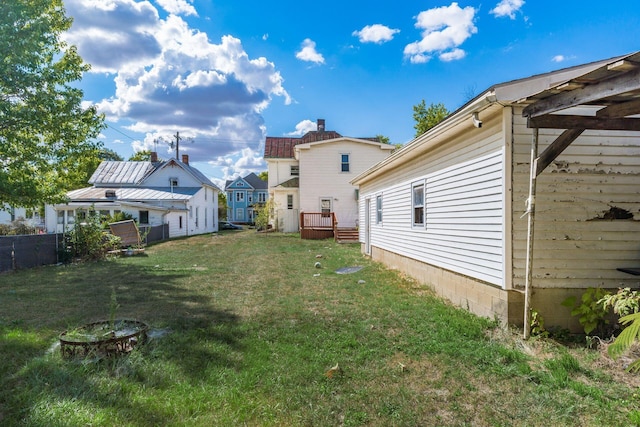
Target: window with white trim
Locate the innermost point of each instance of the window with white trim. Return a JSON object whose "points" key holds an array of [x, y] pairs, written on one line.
{"points": [[239, 196], [289, 201], [294, 170], [344, 162], [379, 209], [417, 201]]}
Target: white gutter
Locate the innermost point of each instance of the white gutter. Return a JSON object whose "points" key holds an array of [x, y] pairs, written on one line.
{"points": [[431, 138]]}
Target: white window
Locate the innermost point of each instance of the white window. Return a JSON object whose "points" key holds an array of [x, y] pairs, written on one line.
{"points": [[262, 197], [295, 170], [239, 196], [344, 162], [173, 182], [250, 197], [289, 201], [325, 206], [418, 204], [239, 214], [379, 209]]}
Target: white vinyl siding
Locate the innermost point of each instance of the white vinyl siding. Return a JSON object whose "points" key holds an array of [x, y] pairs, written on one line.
{"points": [[321, 176], [464, 218]]}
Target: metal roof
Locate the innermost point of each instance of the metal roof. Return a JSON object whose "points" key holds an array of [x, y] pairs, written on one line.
{"points": [[98, 194], [121, 173]]}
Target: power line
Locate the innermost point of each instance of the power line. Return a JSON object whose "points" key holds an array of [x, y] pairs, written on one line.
{"points": [[201, 139]]}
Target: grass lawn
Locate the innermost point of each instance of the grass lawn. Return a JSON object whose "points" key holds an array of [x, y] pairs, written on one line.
{"points": [[247, 329]]}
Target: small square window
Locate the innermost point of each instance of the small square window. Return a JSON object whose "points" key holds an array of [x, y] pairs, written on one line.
{"points": [[173, 182], [294, 170]]}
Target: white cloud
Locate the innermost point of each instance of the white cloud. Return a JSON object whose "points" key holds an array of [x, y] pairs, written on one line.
{"points": [[308, 52], [113, 34], [170, 78], [558, 58], [303, 127], [178, 7], [375, 33], [452, 55], [444, 30], [240, 163], [507, 8]]}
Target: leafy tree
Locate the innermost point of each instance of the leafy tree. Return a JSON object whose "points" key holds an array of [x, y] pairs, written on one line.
{"points": [[428, 117], [141, 156], [44, 129], [108, 154], [222, 205], [79, 170], [383, 139], [264, 175]]}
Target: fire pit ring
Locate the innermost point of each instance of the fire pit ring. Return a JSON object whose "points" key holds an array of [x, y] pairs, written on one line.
{"points": [[103, 338]]}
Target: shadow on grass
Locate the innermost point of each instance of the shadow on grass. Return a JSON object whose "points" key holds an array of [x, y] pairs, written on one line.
{"points": [[38, 305]]}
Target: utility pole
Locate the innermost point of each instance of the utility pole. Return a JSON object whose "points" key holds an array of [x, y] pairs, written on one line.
{"points": [[173, 143], [177, 137]]}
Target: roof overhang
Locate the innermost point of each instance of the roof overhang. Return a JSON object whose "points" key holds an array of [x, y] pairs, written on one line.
{"points": [[606, 97]]}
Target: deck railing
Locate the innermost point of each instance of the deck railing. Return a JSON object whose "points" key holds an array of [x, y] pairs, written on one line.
{"points": [[317, 225]]}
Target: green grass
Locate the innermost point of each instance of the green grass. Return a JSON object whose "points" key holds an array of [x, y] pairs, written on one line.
{"points": [[252, 327]]}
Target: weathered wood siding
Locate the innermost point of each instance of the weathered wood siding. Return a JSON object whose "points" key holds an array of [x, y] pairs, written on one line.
{"points": [[464, 206], [575, 245]]}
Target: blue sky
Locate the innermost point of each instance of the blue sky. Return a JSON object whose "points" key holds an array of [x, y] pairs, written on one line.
{"points": [[225, 74]]}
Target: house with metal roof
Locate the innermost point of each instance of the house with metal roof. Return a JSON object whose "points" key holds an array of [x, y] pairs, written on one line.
{"points": [[456, 207], [310, 177], [243, 196], [169, 192]]}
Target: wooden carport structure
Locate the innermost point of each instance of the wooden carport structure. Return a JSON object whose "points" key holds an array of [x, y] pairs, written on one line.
{"points": [[605, 98]]}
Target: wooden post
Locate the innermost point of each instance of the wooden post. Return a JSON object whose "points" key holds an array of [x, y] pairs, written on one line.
{"points": [[531, 210]]}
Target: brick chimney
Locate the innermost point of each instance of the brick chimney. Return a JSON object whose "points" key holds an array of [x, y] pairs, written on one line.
{"points": [[154, 157], [185, 159], [320, 125]]}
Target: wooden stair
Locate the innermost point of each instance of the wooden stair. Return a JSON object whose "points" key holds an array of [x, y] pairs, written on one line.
{"points": [[346, 235]]}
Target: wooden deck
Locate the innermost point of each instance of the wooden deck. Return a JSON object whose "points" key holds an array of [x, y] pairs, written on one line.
{"points": [[322, 225]]}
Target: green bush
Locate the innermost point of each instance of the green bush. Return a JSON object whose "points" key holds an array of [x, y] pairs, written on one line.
{"points": [[591, 313], [87, 240]]}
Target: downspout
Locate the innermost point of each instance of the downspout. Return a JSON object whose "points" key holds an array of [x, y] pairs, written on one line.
{"points": [[531, 211]]}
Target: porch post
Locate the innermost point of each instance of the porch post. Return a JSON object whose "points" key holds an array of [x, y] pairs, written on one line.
{"points": [[531, 210]]}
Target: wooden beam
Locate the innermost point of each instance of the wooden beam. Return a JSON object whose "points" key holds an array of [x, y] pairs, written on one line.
{"points": [[620, 110], [562, 121], [556, 148], [617, 85]]}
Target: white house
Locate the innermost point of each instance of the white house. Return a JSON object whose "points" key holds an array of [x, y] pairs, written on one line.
{"points": [[456, 207], [313, 174], [155, 193], [9, 214]]}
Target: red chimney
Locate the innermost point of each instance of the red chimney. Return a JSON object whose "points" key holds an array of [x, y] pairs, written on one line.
{"points": [[185, 159], [154, 156]]}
